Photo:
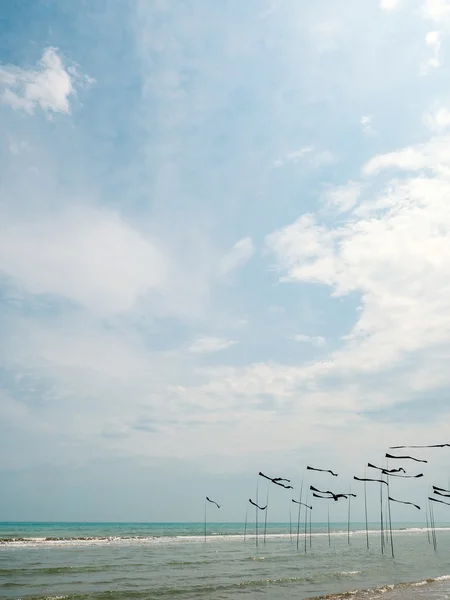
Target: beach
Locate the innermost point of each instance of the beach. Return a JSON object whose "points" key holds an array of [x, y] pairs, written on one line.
{"points": [[145, 561]]}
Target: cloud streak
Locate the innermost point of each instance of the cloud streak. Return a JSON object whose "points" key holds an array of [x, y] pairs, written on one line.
{"points": [[49, 87]]}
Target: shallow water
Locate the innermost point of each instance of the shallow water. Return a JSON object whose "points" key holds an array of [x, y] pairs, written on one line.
{"points": [[147, 561]]}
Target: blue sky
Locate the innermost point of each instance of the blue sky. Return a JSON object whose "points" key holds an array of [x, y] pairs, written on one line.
{"points": [[224, 247]]}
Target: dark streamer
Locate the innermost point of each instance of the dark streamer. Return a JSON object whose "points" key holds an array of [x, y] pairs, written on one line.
{"points": [[322, 470], [403, 502], [366, 479], [440, 501], [403, 476], [302, 503], [212, 502], [441, 494], [277, 480], [405, 457], [400, 469], [432, 446], [254, 504], [440, 489], [331, 494]]}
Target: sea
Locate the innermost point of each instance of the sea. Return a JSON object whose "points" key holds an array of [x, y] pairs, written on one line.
{"points": [[144, 561]]}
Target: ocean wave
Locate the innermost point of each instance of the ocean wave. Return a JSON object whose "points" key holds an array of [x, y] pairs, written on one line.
{"points": [[398, 591], [176, 539], [383, 590]]}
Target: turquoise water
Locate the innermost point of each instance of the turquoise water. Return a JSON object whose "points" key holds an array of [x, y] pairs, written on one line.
{"points": [[164, 560]]}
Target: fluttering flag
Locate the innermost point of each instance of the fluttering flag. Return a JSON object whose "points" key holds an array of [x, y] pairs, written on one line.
{"points": [[403, 502], [277, 480], [400, 469], [432, 446], [435, 487], [212, 502], [254, 504], [334, 497], [441, 501], [441, 494], [331, 494], [402, 476], [366, 479], [405, 457], [322, 470], [302, 503]]}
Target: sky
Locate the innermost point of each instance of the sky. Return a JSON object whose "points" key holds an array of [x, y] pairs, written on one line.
{"points": [[224, 248]]}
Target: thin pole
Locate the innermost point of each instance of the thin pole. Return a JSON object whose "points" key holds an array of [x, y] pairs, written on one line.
{"points": [[310, 531], [256, 517], [266, 511], [290, 521], [245, 523], [381, 519], [299, 507], [365, 507], [348, 525], [306, 522], [329, 538], [390, 520], [433, 527], [205, 521]]}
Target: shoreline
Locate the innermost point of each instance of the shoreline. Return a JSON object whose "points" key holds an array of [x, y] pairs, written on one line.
{"points": [[440, 584]]}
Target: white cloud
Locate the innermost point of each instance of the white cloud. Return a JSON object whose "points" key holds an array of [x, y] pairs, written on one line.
{"points": [[315, 340], [343, 198], [366, 122], [237, 257], [50, 86], [394, 251], [433, 156], [294, 156], [389, 4], [439, 120], [433, 41], [436, 10], [323, 158], [309, 154], [89, 256], [207, 344]]}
